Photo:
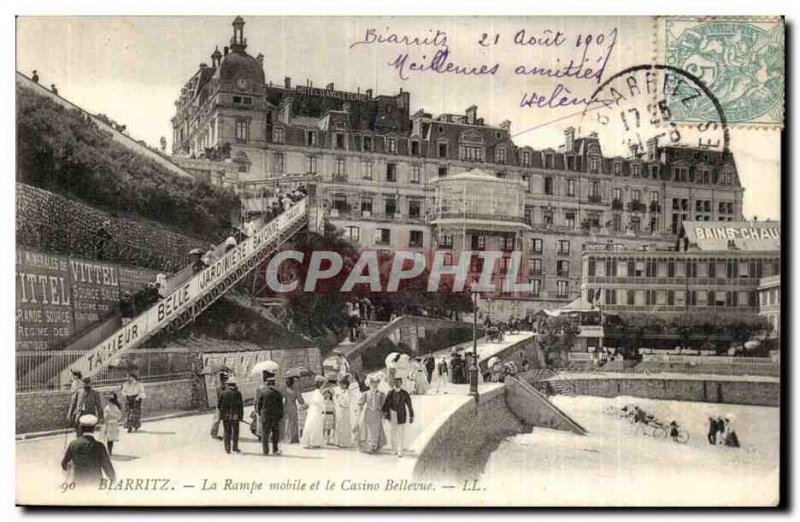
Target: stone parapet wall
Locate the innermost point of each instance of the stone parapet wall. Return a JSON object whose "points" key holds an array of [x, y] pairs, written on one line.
{"points": [[728, 391], [460, 446], [43, 411]]}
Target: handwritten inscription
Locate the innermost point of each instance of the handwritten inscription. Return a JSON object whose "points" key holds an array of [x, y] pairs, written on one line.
{"points": [[441, 65], [573, 57]]}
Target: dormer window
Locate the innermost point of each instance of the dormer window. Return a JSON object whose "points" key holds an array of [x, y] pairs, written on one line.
{"points": [[617, 168], [654, 171], [680, 173], [367, 144], [548, 160], [526, 158], [391, 146], [727, 177], [415, 150], [443, 150], [637, 170], [594, 164], [500, 155], [470, 153], [339, 140], [278, 134]]}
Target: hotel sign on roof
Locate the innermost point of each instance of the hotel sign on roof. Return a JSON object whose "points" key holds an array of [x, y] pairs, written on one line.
{"points": [[716, 236]]}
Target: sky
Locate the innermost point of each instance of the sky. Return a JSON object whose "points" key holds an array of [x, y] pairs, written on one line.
{"points": [[132, 69]]}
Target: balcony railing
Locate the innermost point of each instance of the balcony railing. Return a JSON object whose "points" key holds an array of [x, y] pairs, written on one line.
{"points": [[481, 217], [636, 206], [594, 199], [616, 204]]}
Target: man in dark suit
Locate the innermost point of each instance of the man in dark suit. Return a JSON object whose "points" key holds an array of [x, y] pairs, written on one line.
{"points": [[84, 401], [397, 409], [223, 378], [430, 366], [269, 405], [89, 458], [231, 411]]}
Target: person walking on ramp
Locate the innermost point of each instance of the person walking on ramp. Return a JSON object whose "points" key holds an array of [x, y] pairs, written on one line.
{"points": [[231, 411], [397, 402], [269, 404]]}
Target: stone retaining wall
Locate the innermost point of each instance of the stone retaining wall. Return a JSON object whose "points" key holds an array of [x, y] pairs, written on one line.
{"points": [[42, 411], [755, 393], [54, 223]]}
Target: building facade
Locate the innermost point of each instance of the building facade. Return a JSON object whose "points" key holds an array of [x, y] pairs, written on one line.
{"points": [[769, 302], [714, 268], [383, 173]]}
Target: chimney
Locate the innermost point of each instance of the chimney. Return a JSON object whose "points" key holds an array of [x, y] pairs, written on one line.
{"points": [[286, 110], [471, 112], [569, 139], [287, 82], [260, 59], [203, 65], [401, 90], [329, 87], [225, 51], [215, 57], [652, 148], [368, 92], [505, 125]]}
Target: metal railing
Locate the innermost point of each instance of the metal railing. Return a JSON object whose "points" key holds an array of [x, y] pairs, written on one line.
{"points": [[39, 371], [706, 359]]}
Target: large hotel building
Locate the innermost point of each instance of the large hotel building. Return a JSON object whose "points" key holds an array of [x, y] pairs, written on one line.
{"points": [[393, 178]]}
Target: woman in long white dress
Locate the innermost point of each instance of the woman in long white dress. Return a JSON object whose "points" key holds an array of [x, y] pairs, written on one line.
{"points": [[418, 382], [344, 429], [313, 428]]}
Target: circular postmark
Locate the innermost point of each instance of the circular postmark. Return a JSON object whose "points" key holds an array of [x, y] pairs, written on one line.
{"points": [[639, 104], [741, 63]]}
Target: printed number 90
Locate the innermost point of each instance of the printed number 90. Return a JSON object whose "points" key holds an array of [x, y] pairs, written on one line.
{"points": [[67, 486]]}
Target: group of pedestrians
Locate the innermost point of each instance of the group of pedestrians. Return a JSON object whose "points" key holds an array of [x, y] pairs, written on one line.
{"points": [[722, 431], [338, 414], [86, 457], [280, 203]]}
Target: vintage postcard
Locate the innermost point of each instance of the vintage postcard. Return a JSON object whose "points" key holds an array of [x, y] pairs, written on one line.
{"points": [[398, 261]]}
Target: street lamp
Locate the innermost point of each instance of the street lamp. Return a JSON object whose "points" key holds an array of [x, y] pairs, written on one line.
{"points": [[473, 369]]}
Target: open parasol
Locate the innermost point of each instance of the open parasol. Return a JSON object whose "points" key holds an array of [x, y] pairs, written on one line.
{"points": [[396, 358], [215, 368], [299, 371], [265, 366]]}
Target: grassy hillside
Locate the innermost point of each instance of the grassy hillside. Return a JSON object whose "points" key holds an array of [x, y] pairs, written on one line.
{"points": [[64, 151]]}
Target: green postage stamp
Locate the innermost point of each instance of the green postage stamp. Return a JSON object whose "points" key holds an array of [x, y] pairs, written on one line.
{"points": [[740, 60]]}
